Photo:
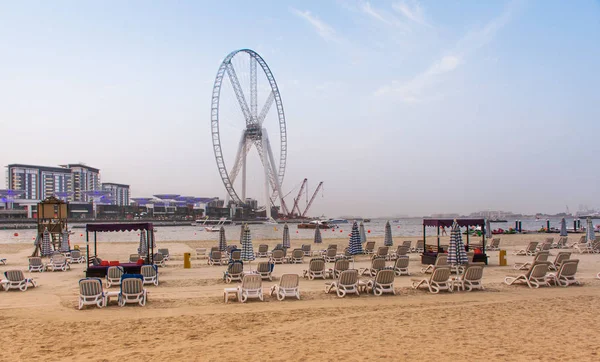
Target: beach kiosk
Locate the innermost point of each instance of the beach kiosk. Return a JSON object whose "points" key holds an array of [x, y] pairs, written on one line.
{"points": [[51, 216], [99, 268], [430, 253]]}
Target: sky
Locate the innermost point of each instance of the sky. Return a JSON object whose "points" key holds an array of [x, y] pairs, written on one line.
{"points": [[400, 107]]}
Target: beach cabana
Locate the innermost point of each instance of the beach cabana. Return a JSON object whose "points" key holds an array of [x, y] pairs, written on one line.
{"points": [[94, 270], [430, 253]]}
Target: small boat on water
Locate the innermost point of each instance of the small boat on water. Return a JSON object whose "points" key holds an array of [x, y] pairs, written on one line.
{"points": [[497, 220], [216, 228], [337, 221], [314, 224]]}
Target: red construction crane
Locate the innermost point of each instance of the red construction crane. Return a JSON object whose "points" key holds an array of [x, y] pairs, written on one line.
{"points": [[297, 199], [312, 199]]}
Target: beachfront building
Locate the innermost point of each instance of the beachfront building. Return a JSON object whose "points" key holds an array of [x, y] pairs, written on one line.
{"points": [[85, 178], [119, 193], [37, 182]]}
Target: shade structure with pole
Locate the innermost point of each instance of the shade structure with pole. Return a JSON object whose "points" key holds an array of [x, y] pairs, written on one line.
{"points": [[247, 249], [222, 239], [46, 249], [488, 229], [456, 250], [563, 227], [363, 235], [354, 244], [286, 236], [318, 239], [64, 242], [590, 231], [387, 240]]}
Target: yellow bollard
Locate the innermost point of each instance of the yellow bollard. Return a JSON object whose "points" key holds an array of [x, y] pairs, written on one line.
{"points": [[187, 264], [502, 258]]}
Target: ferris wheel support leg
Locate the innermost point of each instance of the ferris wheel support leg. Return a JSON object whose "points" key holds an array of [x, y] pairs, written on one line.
{"points": [[269, 152], [244, 172], [265, 161]]}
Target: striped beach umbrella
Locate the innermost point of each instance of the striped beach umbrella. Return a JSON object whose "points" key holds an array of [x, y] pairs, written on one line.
{"points": [[456, 251], [46, 248], [143, 248], [286, 236], [318, 239], [241, 233], [590, 231], [64, 242], [387, 240], [222, 240], [488, 229], [354, 244], [247, 249], [363, 235], [563, 227]]}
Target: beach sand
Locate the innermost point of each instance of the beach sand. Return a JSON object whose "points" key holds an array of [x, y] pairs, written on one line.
{"points": [[186, 319]]}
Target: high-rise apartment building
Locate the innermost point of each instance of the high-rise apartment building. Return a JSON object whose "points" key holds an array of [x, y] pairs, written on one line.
{"points": [[37, 182], [85, 178], [119, 193]]}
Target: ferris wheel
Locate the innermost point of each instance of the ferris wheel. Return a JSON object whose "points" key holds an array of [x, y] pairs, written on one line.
{"points": [[244, 121]]}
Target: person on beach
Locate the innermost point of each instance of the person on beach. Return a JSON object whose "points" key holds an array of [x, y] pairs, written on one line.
{"points": [[443, 230]]}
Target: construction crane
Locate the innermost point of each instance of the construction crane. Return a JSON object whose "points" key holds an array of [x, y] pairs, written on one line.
{"points": [[312, 199], [297, 199]]}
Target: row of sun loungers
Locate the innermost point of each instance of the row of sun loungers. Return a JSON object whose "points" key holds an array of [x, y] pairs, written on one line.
{"points": [[132, 291], [537, 274]]}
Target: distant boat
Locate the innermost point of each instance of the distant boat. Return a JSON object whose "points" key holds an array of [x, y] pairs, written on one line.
{"points": [[366, 220], [337, 221], [212, 229], [497, 220], [314, 224]]}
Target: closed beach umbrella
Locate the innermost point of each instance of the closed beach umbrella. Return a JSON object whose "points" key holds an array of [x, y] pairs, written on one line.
{"points": [[488, 229], [590, 231], [318, 239], [46, 248], [247, 249], [456, 251], [64, 242], [387, 240], [286, 236], [563, 227], [222, 240], [354, 244], [363, 236], [241, 233], [143, 248]]}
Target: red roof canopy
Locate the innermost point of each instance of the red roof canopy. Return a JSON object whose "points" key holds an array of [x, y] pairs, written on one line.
{"points": [[449, 222], [119, 227]]}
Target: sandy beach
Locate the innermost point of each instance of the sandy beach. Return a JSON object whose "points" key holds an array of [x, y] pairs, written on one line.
{"points": [[186, 319]]}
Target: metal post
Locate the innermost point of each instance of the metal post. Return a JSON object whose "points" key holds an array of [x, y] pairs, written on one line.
{"points": [[547, 225], [95, 244], [244, 172], [438, 238], [266, 169], [468, 238], [424, 238], [87, 247]]}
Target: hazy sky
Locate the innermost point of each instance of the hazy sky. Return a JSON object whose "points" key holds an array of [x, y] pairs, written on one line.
{"points": [[400, 107]]}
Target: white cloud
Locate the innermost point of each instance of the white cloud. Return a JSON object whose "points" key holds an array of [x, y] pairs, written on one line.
{"points": [[412, 11], [324, 30], [367, 9]]}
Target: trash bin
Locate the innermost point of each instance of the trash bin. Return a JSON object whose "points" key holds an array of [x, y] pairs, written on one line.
{"points": [[502, 258], [187, 264]]}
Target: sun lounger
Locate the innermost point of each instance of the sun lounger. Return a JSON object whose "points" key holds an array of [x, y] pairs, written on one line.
{"points": [[235, 255], [534, 277], [133, 258], [316, 269], [377, 264], [251, 288], [420, 247], [264, 270], [165, 254], [545, 246], [382, 283], [441, 260], [297, 256], [76, 257], [215, 258], [200, 253], [15, 279], [306, 249], [407, 244], [529, 250], [149, 274], [132, 290], [438, 280], [278, 256], [331, 255], [566, 273], [36, 265], [401, 250], [113, 275], [471, 278], [382, 252], [332, 246], [234, 272], [287, 287], [494, 245], [584, 248], [91, 293], [339, 266], [561, 243], [263, 251], [3, 261], [539, 256], [158, 259], [58, 262], [560, 257], [369, 247], [401, 265], [346, 283]]}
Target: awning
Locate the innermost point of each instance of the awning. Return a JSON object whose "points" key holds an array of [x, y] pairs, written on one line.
{"points": [[448, 222], [119, 227]]}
